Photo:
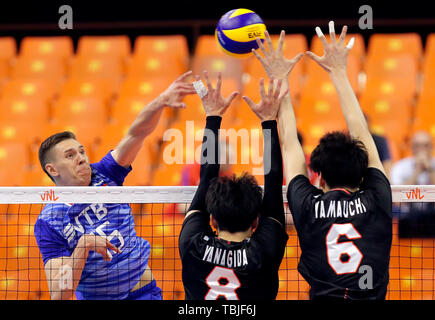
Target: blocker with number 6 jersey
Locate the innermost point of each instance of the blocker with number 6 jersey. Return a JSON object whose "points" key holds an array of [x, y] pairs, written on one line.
{"points": [[345, 237]]}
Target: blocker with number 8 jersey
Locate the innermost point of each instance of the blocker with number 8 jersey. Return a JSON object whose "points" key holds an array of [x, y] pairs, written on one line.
{"points": [[240, 261]]}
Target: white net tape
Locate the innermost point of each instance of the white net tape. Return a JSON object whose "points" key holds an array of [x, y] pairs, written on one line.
{"points": [[148, 194]]}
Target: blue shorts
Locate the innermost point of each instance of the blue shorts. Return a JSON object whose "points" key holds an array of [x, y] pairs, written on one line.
{"points": [[148, 292]]}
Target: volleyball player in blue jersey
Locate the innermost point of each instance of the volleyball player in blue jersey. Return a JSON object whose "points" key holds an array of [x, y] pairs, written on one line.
{"points": [[92, 250]]}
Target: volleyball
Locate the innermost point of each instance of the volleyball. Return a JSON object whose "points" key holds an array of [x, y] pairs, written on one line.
{"points": [[236, 32]]}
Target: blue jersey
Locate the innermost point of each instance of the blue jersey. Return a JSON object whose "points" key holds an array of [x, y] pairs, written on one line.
{"points": [[60, 226]]}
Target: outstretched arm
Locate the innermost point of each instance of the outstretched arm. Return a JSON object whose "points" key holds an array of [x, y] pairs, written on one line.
{"points": [[277, 66], [214, 106], [127, 150], [334, 61], [267, 111], [64, 273]]}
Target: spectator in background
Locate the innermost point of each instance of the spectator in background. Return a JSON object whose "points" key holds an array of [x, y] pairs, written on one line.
{"points": [[416, 219], [420, 167], [383, 149]]}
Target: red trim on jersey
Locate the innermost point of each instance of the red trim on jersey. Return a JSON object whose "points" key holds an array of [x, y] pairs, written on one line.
{"points": [[342, 189]]}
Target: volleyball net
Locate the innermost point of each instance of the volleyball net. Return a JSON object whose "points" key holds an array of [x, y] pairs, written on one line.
{"points": [[158, 214]]}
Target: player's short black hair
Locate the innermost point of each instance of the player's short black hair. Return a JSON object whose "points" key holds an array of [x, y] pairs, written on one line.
{"points": [[341, 160], [48, 144], [234, 202]]}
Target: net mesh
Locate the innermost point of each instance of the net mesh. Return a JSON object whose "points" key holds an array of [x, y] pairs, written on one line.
{"points": [[158, 215]]}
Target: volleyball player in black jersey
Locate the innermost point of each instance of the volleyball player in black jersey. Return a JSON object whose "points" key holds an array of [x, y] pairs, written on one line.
{"points": [[241, 260], [345, 227]]}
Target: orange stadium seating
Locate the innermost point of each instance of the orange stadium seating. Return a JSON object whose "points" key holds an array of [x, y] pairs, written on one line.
{"points": [[118, 46], [429, 57], [31, 67], [113, 134], [36, 177], [74, 110], [430, 44], [167, 175], [142, 173], [8, 52], [229, 67], [8, 48], [15, 117], [390, 87], [157, 55], [31, 89], [147, 87], [101, 63], [429, 68], [14, 158], [385, 66], [47, 47], [393, 44], [316, 116], [206, 46], [101, 88], [108, 82], [424, 115], [390, 117], [91, 67], [21, 109]]}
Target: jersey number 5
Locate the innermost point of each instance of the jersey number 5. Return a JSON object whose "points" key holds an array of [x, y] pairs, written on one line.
{"points": [[222, 282], [343, 257]]}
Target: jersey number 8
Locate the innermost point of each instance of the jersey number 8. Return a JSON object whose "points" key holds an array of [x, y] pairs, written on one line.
{"points": [[222, 282]]}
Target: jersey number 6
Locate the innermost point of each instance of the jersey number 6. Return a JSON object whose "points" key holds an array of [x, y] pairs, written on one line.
{"points": [[343, 257]]}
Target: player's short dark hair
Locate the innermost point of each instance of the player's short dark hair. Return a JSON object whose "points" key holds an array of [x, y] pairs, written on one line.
{"points": [[340, 159], [48, 144], [234, 202]]}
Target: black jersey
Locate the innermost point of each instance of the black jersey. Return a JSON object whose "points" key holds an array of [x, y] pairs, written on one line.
{"points": [[214, 268], [345, 237]]}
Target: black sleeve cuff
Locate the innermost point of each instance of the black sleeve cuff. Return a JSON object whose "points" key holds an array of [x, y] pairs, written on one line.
{"points": [[269, 124], [213, 122]]}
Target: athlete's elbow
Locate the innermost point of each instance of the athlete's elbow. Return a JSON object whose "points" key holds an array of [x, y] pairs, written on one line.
{"points": [[62, 295]]}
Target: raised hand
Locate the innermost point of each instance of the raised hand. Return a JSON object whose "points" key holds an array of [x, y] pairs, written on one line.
{"points": [[335, 53], [173, 96], [212, 101], [274, 62], [268, 107]]}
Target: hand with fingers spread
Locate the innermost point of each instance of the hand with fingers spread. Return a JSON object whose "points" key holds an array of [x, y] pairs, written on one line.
{"points": [[268, 107], [274, 62], [173, 96], [212, 101], [334, 61], [335, 54]]}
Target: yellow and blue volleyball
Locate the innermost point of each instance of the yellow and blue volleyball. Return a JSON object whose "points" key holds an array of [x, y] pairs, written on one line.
{"points": [[236, 32]]}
